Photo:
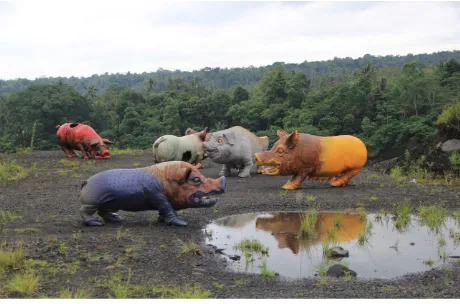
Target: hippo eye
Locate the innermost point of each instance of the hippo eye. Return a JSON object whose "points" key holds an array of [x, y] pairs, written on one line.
{"points": [[196, 180], [220, 140]]}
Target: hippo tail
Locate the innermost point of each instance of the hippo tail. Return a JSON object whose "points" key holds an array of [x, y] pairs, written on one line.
{"points": [[83, 184], [58, 127], [158, 142]]}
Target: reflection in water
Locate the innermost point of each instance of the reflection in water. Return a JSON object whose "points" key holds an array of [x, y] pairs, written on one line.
{"points": [[285, 227], [387, 252]]}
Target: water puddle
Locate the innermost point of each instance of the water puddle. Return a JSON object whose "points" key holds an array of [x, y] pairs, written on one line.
{"points": [[379, 245]]}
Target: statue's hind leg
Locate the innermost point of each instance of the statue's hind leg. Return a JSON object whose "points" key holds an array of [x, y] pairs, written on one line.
{"points": [[343, 180]]}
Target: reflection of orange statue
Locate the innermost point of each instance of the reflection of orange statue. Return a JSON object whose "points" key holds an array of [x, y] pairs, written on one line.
{"points": [[332, 158], [286, 228]]}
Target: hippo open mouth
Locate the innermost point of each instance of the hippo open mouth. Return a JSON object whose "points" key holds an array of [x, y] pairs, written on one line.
{"points": [[272, 167], [202, 199]]}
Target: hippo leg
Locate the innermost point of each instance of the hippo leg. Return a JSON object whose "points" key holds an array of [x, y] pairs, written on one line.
{"points": [[110, 216], [344, 179], [87, 215], [69, 152], [168, 215], [246, 172], [225, 171], [84, 154], [294, 182]]}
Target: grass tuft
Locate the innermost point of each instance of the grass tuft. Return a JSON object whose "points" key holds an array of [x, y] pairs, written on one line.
{"points": [[308, 222], [23, 283]]}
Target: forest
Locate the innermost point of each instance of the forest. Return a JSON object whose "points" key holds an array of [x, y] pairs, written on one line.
{"points": [[392, 103]]}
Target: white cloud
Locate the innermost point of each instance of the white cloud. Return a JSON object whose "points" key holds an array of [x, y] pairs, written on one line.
{"points": [[80, 38]]}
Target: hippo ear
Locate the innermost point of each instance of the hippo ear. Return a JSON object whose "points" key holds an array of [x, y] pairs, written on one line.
{"points": [[106, 141], [182, 175], [203, 134], [189, 131], [230, 137], [292, 140], [93, 142], [281, 133]]}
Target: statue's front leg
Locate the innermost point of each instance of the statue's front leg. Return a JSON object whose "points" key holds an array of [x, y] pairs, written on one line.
{"points": [[225, 171], [295, 182], [246, 172], [167, 214]]}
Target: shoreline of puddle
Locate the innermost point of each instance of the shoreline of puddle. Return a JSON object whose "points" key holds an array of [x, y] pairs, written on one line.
{"points": [[386, 253]]}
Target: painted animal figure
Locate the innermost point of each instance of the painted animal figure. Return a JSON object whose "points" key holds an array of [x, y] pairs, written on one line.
{"points": [[235, 148], [187, 148], [166, 187], [330, 158], [78, 136], [190, 131]]}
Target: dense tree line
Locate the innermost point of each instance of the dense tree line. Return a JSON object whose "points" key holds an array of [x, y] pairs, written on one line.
{"points": [[390, 109], [322, 74]]}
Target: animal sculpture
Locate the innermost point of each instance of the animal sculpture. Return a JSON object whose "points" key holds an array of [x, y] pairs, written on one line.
{"points": [[166, 187], [235, 148], [329, 158], [187, 148], [78, 136]]}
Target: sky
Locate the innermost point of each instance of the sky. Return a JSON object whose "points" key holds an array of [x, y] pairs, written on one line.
{"points": [[80, 38]]}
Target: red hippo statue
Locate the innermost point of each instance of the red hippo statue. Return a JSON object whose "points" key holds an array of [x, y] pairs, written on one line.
{"points": [[78, 136]]}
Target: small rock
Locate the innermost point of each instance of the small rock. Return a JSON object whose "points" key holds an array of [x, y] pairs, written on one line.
{"points": [[412, 243], [338, 270], [220, 250], [277, 274], [338, 252], [234, 257]]}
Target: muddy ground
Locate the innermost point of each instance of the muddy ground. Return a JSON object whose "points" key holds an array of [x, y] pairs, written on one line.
{"points": [[48, 200]]}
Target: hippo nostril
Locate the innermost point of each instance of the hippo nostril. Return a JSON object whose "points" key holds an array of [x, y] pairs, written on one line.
{"points": [[223, 183]]}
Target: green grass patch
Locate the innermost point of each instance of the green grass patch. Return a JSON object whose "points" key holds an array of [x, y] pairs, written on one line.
{"points": [[189, 247], [79, 293], [402, 215], [74, 163], [183, 292], [25, 230], [265, 272], [23, 283], [308, 222], [12, 257], [10, 170], [397, 175], [123, 151], [432, 216]]}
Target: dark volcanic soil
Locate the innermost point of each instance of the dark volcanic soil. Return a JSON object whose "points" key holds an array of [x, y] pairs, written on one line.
{"points": [[48, 200]]}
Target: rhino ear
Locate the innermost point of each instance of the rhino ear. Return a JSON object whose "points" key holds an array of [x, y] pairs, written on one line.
{"points": [[281, 133], [106, 141], [292, 140], [182, 175], [230, 137], [203, 134]]}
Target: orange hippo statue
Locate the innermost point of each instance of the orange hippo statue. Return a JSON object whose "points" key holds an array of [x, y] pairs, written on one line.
{"points": [[330, 158]]}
